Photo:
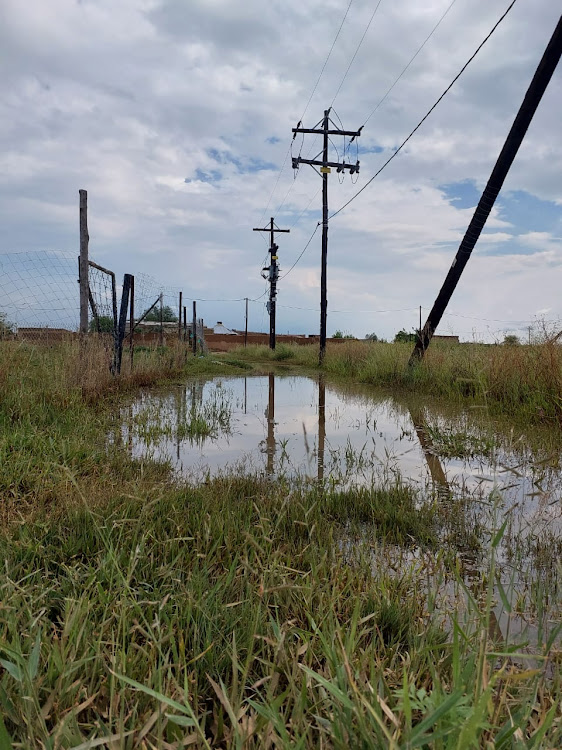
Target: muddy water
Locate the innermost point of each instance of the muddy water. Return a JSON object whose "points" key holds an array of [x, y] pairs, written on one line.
{"points": [[310, 429]]}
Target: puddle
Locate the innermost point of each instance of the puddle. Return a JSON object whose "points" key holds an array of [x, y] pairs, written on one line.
{"points": [[309, 430]]}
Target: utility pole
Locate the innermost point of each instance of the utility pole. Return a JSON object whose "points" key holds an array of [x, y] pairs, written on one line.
{"points": [[325, 169], [179, 315], [194, 329], [246, 327], [515, 137], [272, 275]]}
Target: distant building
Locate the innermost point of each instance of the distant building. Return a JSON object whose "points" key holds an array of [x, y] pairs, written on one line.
{"points": [[219, 328]]}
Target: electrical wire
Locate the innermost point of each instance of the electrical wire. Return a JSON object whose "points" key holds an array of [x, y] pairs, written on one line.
{"points": [[424, 118], [356, 51], [306, 109], [326, 61], [428, 37], [313, 309], [302, 253]]}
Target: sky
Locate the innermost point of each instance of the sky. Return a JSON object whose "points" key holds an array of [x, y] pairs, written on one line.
{"points": [[176, 117]]}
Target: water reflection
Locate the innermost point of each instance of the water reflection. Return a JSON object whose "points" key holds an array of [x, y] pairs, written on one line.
{"points": [[315, 430], [270, 416]]}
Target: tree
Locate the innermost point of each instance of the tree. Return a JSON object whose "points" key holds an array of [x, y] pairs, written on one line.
{"points": [[402, 337], [371, 337], [6, 328], [168, 315], [511, 339], [340, 335], [105, 324]]}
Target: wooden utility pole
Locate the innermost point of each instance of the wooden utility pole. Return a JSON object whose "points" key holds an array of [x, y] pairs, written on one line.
{"points": [[132, 321], [161, 337], [272, 276], [179, 316], [325, 169], [194, 329], [83, 264], [184, 322], [246, 326], [534, 94]]}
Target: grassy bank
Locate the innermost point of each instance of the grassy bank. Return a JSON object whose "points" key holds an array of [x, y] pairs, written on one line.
{"points": [[138, 611], [524, 381]]}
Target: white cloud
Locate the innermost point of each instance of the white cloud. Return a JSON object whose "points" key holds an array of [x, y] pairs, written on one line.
{"points": [[131, 99]]}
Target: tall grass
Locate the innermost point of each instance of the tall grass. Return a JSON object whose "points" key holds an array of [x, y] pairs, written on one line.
{"points": [[138, 611], [517, 380]]}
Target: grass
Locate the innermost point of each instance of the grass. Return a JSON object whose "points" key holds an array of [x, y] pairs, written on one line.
{"points": [[139, 611], [523, 381]]}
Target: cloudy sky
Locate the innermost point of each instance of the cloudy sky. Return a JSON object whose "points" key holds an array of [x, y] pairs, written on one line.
{"points": [[176, 116]]}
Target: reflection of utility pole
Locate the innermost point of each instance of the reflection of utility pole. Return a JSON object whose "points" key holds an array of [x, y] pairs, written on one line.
{"points": [[432, 459], [245, 395], [440, 478], [270, 414], [272, 276], [325, 169], [321, 425]]}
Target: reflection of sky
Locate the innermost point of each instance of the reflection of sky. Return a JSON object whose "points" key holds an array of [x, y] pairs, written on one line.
{"points": [[368, 438]]}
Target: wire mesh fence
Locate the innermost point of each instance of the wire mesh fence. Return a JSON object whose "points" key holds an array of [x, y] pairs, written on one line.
{"points": [[40, 301], [38, 292]]}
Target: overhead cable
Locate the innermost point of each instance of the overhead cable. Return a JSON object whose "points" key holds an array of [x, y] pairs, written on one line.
{"points": [[424, 118], [305, 110], [356, 51], [428, 37]]}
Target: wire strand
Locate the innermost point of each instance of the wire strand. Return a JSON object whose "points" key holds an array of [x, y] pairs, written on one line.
{"points": [[356, 51], [428, 37], [305, 111], [424, 118], [302, 253]]}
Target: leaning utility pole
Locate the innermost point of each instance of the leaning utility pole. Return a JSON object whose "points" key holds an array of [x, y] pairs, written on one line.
{"points": [[272, 276], [534, 94], [325, 169]]}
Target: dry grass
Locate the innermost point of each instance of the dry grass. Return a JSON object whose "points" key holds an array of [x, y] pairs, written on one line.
{"points": [[137, 611]]}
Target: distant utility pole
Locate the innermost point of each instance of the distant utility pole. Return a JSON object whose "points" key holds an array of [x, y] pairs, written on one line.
{"points": [[272, 276], [325, 169], [246, 325]]}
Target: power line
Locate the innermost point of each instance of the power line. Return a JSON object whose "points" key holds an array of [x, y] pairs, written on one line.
{"points": [[428, 37], [326, 61], [355, 53], [351, 312], [304, 113], [424, 118], [302, 253]]}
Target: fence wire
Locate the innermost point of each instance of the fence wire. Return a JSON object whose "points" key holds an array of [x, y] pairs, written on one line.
{"points": [[39, 290], [102, 300]]}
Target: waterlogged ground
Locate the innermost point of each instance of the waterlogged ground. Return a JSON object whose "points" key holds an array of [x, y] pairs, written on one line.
{"points": [[306, 429]]}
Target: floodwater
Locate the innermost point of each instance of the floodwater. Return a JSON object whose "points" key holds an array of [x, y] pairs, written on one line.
{"points": [[312, 430], [287, 425]]}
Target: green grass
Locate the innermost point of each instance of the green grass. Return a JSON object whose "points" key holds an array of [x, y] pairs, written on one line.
{"points": [[137, 610]]}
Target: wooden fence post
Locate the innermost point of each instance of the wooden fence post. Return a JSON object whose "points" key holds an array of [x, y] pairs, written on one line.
{"points": [[83, 264]]}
